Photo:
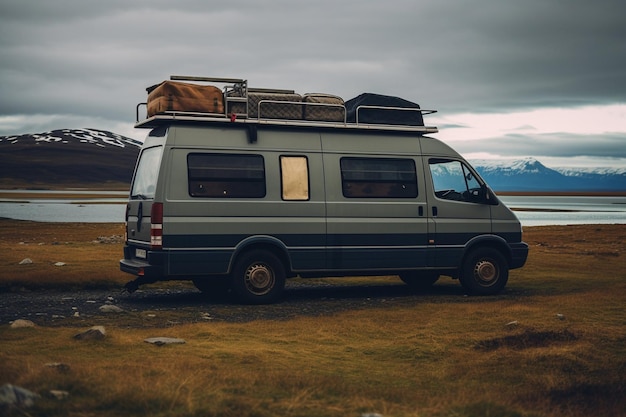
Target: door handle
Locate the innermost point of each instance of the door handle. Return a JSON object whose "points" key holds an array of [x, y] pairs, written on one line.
{"points": [[435, 211], [420, 211]]}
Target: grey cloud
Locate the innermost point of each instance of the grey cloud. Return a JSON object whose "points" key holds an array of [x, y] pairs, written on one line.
{"points": [[551, 145], [532, 53], [96, 58]]}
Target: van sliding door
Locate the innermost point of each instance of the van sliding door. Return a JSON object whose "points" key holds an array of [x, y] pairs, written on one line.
{"points": [[376, 208]]}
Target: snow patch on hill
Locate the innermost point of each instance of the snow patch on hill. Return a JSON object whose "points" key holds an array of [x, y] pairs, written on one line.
{"points": [[95, 137]]}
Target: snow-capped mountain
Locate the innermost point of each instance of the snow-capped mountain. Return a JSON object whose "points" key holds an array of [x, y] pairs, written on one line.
{"points": [[67, 157], [529, 174]]}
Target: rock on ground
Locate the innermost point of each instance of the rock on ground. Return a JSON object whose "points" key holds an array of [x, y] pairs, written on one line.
{"points": [[21, 323], [160, 341], [10, 395], [110, 308], [95, 333]]}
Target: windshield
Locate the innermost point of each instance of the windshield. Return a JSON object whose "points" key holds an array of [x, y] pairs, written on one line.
{"points": [[147, 173]]}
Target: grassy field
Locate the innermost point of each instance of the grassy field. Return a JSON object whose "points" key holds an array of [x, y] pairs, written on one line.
{"points": [[553, 344], [78, 245]]}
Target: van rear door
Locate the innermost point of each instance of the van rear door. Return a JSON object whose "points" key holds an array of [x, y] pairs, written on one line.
{"points": [[142, 195]]}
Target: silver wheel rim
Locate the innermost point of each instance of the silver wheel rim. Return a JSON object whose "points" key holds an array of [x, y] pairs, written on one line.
{"points": [[486, 272], [259, 279]]}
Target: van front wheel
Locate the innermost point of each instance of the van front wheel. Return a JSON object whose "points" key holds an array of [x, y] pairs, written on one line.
{"points": [[485, 271], [258, 277]]}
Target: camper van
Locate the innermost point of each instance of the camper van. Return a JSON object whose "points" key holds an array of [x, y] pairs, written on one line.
{"points": [[263, 185]]}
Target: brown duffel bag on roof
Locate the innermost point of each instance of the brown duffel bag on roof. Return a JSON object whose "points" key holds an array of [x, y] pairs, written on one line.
{"points": [[184, 97]]}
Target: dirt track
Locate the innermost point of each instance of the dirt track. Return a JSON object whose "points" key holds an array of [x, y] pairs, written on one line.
{"points": [[160, 307]]}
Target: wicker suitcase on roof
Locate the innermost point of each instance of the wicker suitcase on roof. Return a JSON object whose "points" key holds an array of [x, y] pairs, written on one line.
{"points": [[270, 109], [324, 108], [184, 97]]}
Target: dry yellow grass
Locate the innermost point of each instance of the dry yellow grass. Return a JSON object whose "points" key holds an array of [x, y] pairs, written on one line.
{"points": [[88, 261], [441, 357]]}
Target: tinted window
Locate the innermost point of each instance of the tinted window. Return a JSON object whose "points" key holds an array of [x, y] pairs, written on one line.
{"points": [[226, 175], [378, 178]]}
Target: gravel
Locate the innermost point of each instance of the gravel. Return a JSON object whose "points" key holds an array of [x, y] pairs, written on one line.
{"points": [[153, 306]]}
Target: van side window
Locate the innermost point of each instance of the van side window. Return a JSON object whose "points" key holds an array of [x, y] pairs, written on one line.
{"points": [[226, 175], [294, 174], [453, 180], [378, 178]]}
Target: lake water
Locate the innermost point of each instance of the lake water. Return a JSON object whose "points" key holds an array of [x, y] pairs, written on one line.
{"points": [[78, 208], [531, 210], [561, 210]]}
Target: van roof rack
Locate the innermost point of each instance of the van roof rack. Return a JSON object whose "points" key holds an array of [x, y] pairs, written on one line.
{"points": [[281, 107]]}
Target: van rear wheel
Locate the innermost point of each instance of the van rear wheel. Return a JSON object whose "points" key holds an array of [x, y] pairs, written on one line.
{"points": [[258, 277], [485, 271]]}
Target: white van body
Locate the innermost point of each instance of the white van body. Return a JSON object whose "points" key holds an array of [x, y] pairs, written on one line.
{"points": [[244, 204]]}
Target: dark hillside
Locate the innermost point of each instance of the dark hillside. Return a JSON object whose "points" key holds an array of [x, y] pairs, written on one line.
{"points": [[68, 157]]}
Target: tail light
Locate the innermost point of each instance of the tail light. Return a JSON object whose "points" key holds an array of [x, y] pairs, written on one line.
{"points": [[156, 226]]}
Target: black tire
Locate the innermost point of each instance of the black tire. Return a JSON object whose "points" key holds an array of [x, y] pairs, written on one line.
{"points": [[420, 280], [485, 271], [258, 277]]}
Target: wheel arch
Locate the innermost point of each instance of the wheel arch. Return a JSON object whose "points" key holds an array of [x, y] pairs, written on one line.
{"points": [[262, 242], [488, 241]]}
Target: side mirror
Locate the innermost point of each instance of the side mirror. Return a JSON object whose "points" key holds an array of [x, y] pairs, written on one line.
{"points": [[483, 195], [488, 196]]}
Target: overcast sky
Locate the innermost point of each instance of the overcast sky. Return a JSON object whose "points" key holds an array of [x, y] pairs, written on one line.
{"points": [[510, 79]]}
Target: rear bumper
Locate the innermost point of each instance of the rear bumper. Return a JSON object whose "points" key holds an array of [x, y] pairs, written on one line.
{"points": [[151, 267], [519, 254]]}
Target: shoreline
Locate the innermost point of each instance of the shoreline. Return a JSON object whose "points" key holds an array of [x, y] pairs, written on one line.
{"points": [[7, 220], [73, 193], [563, 193]]}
